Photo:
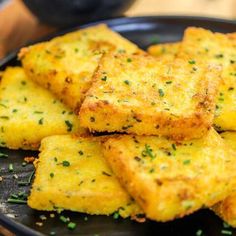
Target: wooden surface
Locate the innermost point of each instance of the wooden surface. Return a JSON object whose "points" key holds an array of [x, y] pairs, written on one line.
{"points": [[18, 25]]}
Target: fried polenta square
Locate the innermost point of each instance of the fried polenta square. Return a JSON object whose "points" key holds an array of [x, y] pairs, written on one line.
{"points": [[164, 51], [66, 64], [29, 113], [226, 209], [203, 45], [172, 179], [141, 95], [72, 174]]}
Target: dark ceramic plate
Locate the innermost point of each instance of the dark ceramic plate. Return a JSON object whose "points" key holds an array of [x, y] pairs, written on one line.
{"points": [[143, 31]]}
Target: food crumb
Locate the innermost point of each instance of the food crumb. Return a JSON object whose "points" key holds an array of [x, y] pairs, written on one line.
{"points": [[1, 178], [52, 215], [29, 159]]}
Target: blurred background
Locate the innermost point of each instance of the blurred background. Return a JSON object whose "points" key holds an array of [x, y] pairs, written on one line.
{"points": [[22, 21]]}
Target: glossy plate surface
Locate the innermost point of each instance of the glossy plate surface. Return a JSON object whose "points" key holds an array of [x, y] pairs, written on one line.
{"points": [[143, 31]]}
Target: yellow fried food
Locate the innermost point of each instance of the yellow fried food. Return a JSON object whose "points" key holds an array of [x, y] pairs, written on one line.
{"points": [[165, 51], [200, 44], [170, 180], [227, 208], [29, 113], [139, 94], [72, 174], [66, 64]]}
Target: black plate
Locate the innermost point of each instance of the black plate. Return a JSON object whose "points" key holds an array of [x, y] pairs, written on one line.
{"points": [[143, 31]]}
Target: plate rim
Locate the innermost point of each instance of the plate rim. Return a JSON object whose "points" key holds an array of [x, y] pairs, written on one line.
{"points": [[19, 228]]}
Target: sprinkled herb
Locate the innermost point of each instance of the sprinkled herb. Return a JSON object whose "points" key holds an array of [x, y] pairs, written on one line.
{"points": [[51, 175], [129, 60], [161, 93], [64, 219], [105, 173], [38, 112], [226, 232], [23, 82], [10, 167], [71, 226], [92, 119], [85, 218], [69, 125], [173, 146], [219, 56], [126, 82], [104, 78], [3, 155], [232, 61], [154, 40], [52, 233], [66, 163], [192, 62], [17, 201], [116, 215], [169, 82], [76, 49], [186, 162], [14, 110], [151, 170], [81, 153], [225, 225], [199, 232], [5, 117], [3, 105], [230, 89], [148, 152], [40, 122]]}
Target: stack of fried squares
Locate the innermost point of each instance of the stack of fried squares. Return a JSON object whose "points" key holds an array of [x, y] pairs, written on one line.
{"points": [[159, 154]]}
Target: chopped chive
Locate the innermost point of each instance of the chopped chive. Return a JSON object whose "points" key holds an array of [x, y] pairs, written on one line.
{"points": [[51, 175], [23, 183], [40, 122], [126, 82], [31, 176], [148, 152], [69, 125], [14, 110], [199, 232], [66, 163], [219, 56], [186, 162], [226, 232], [3, 105], [14, 196], [3, 155], [225, 225], [64, 219], [5, 117], [169, 82], [52, 233], [10, 167], [17, 201], [71, 225], [104, 78], [116, 215], [85, 218], [38, 112], [192, 62], [81, 153], [173, 146], [129, 60], [161, 92], [23, 82]]}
